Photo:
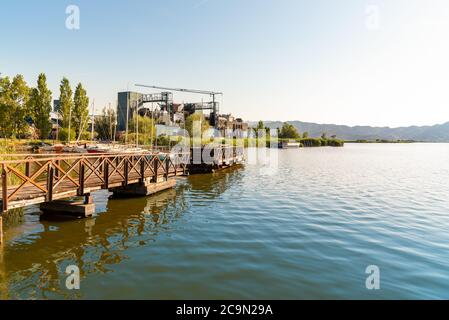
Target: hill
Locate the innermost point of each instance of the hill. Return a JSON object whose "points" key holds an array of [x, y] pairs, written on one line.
{"points": [[436, 133]]}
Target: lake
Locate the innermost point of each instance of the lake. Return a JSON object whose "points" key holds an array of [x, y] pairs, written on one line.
{"points": [[307, 230]]}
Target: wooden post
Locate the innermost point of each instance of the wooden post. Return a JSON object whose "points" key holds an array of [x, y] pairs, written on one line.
{"points": [[156, 167], [167, 166], [106, 174], [27, 169], [58, 163], [1, 229], [4, 189], [88, 199], [126, 172], [142, 170], [81, 178], [50, 182]]}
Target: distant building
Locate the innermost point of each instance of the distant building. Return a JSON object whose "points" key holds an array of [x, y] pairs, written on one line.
{"points": [[126, 102], [56, 105], [227, 123]]}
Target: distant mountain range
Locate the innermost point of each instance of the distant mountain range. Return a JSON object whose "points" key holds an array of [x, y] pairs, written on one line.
{"points": [[436, 133]]}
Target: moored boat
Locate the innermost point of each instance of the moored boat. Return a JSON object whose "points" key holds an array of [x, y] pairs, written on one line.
{"points": [[291, 144]]}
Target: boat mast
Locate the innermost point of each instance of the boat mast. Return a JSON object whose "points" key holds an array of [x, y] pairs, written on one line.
{"points": [[93, 121]]}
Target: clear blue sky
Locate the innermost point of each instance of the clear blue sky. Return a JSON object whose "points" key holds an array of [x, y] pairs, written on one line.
{"points": [[316, 60]]}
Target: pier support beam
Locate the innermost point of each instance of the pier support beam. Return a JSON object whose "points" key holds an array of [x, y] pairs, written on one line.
{"points": [[83, 209], [143, 189]]}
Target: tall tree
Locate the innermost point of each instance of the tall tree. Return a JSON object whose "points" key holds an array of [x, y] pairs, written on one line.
{"points": [[257, 130], [5, 102], [20, 95], [80, 111], [14, 97], [288, 131], [40, 104], [66, 102], [196, 117]]}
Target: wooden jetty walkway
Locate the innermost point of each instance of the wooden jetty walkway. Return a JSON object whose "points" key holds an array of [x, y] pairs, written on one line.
{"points": [[210, 159], [35, 179], [54, 181], [44, 178]]}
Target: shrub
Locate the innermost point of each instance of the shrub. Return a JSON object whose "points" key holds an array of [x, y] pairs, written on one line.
{"points": [[87, 135], [63, 134], [311, 142]]}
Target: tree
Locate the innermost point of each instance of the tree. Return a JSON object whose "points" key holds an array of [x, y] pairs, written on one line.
{"points": [[324, 136], [66, 102], [105, 124], [288, 131], [40, 104], [305, 135], [260, 126], [196, 117], [144, 128], [5, 103], [14, 104], [80, 112]]}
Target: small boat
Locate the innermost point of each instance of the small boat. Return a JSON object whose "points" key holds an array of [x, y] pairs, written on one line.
{"points": [[291, 144], [97, 149]]}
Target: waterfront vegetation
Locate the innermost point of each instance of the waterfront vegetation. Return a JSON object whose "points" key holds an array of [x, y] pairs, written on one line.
{"points": [[289, 133], [304, 142], [381, 141], [25, 111]]}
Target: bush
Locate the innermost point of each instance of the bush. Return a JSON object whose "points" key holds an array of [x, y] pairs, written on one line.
{"points": [[335, 143], [63, 134], [87, 135], [311, 142]]}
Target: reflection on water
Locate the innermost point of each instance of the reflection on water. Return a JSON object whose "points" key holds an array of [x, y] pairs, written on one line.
{"points": [[39, 248], [38, 251], [308, 231]]}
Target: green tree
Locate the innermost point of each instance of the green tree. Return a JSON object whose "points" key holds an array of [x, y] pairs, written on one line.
{"points": [[288, 131], [197, 116], [105, 124], [5, 106], [20, 107], [305, 135], [145, 128], [66, 102], [40, 104], [260, 126], [80, 111], [14, 106]]}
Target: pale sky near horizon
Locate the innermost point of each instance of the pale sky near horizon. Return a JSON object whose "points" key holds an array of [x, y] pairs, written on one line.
{"points": [[322, 61]]}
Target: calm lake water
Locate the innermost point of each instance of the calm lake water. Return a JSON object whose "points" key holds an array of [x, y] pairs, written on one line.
{"points": [[308, 231]]}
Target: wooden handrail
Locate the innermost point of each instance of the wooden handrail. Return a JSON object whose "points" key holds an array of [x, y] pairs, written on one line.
{"points": [[47, 177]]}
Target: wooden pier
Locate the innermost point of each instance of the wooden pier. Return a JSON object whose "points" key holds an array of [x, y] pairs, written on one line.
{"points": [[34, 179], [211, 159]]}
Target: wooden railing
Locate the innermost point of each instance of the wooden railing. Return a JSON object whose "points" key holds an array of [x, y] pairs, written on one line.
{"points": [[43, 178], [216, 155]]}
